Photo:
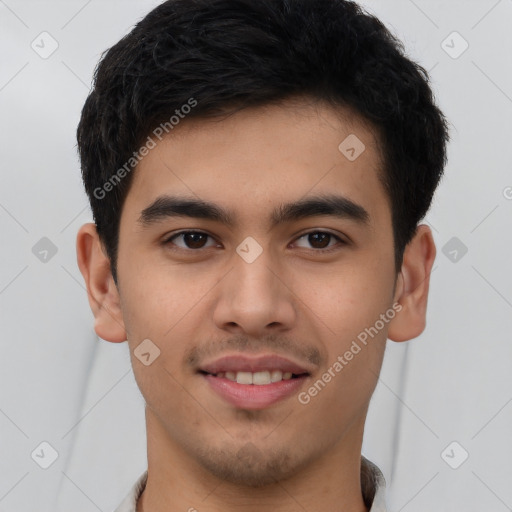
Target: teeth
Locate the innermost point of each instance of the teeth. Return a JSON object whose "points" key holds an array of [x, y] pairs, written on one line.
{"points": [[276, 376], [257, 378], [261, 378], [244, 377]]}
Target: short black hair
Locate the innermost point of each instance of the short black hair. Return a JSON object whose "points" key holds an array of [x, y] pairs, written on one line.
{"points": [[218, 56]]}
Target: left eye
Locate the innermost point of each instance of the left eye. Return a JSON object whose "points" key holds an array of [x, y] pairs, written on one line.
{"points": [[320, 239], [193, 240]]}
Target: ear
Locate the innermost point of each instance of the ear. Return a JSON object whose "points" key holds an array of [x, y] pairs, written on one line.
{"points": [[412, 286], [101, 288]]}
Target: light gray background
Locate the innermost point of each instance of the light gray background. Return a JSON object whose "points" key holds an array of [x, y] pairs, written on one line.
{"points": [[63, 386]]}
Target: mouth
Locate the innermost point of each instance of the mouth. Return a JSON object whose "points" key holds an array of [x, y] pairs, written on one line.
{"points": [[260, 378], [254, 383]]}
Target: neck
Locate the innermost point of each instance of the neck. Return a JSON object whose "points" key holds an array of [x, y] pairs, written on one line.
{"points": [[177, 482]]}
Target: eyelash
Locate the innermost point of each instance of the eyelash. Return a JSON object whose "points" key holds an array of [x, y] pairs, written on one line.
{"points": [[168, 240]]}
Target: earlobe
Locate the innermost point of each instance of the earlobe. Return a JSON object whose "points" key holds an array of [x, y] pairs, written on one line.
{"points": [[101, 289], [413, 285]]}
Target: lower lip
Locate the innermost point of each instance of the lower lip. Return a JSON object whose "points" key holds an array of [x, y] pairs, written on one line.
{"points": [[253, 396]]}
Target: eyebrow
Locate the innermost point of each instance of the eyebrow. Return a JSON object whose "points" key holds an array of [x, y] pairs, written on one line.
{"points": [[167, 206]]}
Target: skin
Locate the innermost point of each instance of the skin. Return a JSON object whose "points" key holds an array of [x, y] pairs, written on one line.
{"points": [[204, 453]]}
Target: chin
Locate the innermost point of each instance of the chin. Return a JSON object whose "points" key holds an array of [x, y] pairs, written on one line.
{"points": [[250, 466]]}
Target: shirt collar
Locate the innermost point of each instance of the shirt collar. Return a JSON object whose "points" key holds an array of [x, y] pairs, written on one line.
{"points": [[372, 482]]}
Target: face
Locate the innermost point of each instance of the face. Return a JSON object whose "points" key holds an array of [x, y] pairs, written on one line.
{"points": [[283, 273]]}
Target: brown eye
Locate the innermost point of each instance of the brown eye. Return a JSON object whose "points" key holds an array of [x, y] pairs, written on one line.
{"points": [[321, 240], [194, 240], [190, 240]]}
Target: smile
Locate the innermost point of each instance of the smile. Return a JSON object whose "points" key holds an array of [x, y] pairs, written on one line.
{"points": [[261, 378]]}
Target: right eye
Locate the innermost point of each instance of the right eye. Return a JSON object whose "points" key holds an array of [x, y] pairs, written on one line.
{"points": [[191, 240]]}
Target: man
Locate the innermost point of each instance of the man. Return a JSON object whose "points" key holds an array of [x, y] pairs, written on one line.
{"points": [[257, 172]]}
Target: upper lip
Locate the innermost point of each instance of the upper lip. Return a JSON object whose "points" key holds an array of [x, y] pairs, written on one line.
{"points": [[244, 363]]}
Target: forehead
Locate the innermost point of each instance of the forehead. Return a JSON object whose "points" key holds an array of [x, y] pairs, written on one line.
{"points": [[250, 161]]}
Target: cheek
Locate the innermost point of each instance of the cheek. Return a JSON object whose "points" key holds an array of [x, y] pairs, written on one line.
{"points": [[344, 386], [165, 394], [347, 309], [157, 299], [163, 305], [346, 301]]}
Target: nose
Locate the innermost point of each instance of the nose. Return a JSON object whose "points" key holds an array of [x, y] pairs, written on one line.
{"points": [[255, 299]]}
